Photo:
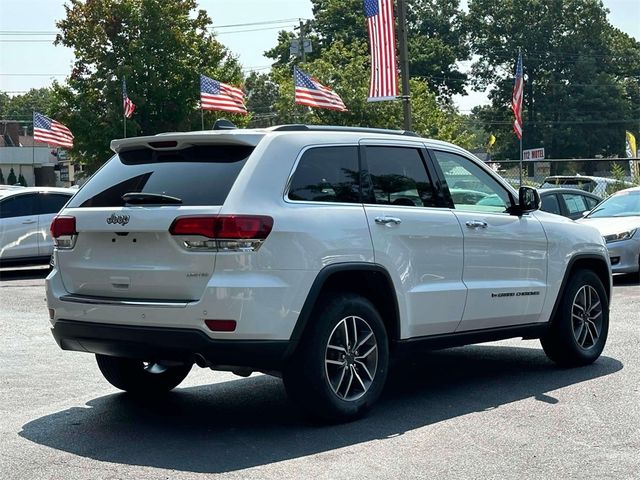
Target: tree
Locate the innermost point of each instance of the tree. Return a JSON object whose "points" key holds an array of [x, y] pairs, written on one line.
{"points": [[22, 181], [21, 107], [11, 179], [1, 177], [160, 47], [437, 40], [262, 94], [345, 69], [578, 75]]}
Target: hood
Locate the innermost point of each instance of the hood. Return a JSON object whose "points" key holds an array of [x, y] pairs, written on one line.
{"points": [[611, 225]]}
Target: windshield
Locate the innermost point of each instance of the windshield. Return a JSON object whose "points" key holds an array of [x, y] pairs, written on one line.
{"points": [[625, 204]]}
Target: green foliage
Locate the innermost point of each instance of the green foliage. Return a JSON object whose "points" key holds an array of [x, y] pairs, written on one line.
{"points": [[22, 181], [262, 94], [1, 177], [160, 47], [435, 31], [581, 75], [21, 107], [345, 69], [11, 179]]}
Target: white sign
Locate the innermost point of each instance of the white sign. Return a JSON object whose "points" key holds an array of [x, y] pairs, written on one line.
{"points": [[533, 154]]}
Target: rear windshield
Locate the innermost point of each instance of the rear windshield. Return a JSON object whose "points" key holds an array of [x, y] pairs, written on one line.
{"points": [[200, 175]]}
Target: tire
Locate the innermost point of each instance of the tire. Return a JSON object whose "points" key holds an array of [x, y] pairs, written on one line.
{"points": [[340, 366], [578, 332], [140, 378]]}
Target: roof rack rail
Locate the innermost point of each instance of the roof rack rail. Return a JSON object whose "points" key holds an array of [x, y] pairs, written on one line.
{"points": [[331, 128]]}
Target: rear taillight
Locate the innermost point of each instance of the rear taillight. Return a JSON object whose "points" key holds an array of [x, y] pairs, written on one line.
{"points": [[223, 232], [63, 231]]}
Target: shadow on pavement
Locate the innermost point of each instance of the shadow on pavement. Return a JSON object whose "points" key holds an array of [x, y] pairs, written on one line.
{"points": [[249, 422], [24, 273], [626, 280]]}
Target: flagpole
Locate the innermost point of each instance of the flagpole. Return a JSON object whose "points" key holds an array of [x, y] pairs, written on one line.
{"points": [[404, 63], [201, 116], [521, 116], [124, 124]]}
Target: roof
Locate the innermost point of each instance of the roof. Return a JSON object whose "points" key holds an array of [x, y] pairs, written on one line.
{"points": [[251, 137], [7, 190]]}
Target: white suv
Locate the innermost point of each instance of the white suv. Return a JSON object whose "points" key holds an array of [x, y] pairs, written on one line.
{"points": [[314, 253]]}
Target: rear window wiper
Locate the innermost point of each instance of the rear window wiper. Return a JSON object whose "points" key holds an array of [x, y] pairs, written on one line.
{"points": [[140, 198]]}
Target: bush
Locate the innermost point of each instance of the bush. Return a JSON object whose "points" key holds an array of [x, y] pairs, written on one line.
{"points": [[1, 177], [22, 181], [11, 179]]}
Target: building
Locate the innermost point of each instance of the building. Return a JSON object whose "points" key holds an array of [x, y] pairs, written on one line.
{"points": [[36, 162]]}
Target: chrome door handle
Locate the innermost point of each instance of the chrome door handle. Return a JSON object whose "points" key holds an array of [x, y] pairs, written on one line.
{"points": [[476, 224], [387, 220], [28, 222]]}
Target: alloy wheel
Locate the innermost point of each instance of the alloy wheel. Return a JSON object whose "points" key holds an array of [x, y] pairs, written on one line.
{"points": [[351, 358], [586, 317]]}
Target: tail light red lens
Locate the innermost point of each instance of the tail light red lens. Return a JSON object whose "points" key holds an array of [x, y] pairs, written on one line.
{"points": [[221, 325], [237, 227], [202, 226], [224, 227], [63, 225]]}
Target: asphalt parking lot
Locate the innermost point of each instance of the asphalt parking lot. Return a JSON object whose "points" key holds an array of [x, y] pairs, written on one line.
{"points": [[498, 410]]}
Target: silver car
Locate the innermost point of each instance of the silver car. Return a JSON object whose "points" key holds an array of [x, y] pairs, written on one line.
{"points": [[618, 219]]}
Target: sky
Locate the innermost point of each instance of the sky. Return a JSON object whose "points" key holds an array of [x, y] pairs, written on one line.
{"points": [[29, 60]]}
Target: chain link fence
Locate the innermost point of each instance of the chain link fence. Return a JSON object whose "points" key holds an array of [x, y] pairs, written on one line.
{"points": [[612, 174]]}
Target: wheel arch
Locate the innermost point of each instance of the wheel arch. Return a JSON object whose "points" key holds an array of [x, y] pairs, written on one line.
{"points": [[591, 262], [370, 280]]}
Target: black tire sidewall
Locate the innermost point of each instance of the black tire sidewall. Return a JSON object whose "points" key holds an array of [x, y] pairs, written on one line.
{"points": [[563, 328], [309, 375]]}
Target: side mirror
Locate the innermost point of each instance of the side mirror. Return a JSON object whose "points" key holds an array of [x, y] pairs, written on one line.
{"points": [[528, 200]]}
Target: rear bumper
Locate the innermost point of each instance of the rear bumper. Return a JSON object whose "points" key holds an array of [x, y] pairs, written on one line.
{"points": [[167, 344]]}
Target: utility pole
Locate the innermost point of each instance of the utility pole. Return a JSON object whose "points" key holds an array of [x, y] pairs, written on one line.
{"points": [[304, 56], [404, 63]]}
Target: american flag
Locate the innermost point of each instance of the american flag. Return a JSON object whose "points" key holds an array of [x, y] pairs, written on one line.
{"points": [[312, 93], [216, 95], [516, 101], [382, 44], [49, 131], [127, 105]]}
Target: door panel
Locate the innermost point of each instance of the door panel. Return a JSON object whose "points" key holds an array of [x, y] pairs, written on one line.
{"points": [[505, 256], [505, 269], [423, 255], [18, 227], [419, 244]]}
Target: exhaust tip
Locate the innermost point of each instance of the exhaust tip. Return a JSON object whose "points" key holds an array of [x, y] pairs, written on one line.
{"points": [[199, 360]]}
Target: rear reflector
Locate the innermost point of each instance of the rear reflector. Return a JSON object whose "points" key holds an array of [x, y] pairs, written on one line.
{"points": [[221, 325], [63, 225], [224, 227]]}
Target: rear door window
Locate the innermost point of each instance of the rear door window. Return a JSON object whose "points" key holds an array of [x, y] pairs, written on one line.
{"points": [[550, 204], [327, 174], [199, 175], [19, 206], [399, 177]]}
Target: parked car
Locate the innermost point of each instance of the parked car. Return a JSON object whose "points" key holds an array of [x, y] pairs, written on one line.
{"points": [[25, 216], [618, 220], [596, 185], [283, 250], [567, 202]]}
